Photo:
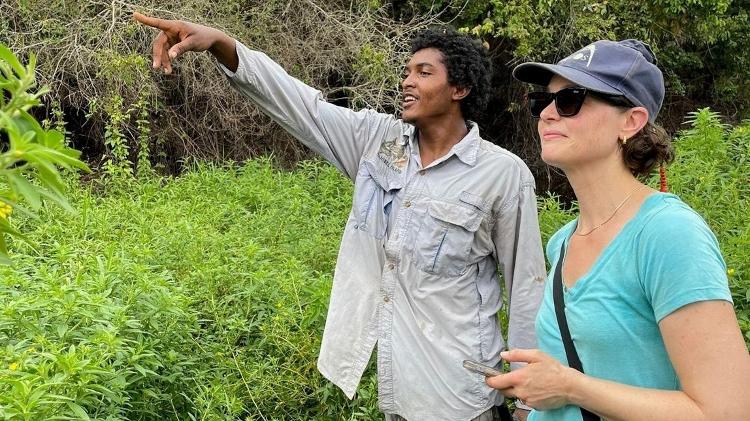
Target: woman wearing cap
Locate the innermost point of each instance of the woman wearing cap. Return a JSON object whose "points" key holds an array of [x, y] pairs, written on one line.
{"points": [[642, 286]]}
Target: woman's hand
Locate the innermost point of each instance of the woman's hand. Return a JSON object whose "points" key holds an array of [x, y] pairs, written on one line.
{"points": [[543, 384]]}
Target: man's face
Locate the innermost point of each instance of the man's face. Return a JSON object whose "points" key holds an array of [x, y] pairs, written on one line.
{"points": [[427, 93]]}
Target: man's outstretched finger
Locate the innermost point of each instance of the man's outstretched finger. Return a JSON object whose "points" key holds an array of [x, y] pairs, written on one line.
{"points": [[157, 23]]}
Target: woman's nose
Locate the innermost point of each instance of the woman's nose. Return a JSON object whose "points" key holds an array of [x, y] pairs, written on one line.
{"points": [[550, 112]]}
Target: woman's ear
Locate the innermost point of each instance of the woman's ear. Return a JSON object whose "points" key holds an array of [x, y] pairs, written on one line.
{"points": [[635, 119]]}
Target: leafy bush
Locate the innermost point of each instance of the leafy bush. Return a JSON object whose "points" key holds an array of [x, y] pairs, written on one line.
{"points": [[701, 44], [202, 297], [711, 172], [32, 152]]}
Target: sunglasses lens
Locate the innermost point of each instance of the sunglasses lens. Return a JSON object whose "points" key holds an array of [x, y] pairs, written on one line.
{"points": [[538, 101], [569, 101]]}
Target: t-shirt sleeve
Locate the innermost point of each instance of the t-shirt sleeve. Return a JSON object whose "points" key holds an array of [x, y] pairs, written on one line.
{"points": [[557, 241], [680, 261]]}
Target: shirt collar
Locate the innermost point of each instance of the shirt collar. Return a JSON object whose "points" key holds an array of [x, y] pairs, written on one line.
{"points": [[466, 149]]}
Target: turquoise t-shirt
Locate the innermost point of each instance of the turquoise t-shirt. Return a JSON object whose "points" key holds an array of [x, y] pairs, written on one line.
{"points": [[664, 258]]}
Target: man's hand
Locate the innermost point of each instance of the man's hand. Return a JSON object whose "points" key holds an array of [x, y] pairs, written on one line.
{"points": [[177, 37], [542, 384]]}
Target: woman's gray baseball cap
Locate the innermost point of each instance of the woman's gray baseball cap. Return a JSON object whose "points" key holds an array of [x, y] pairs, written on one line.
{"points": [[626, 68]]}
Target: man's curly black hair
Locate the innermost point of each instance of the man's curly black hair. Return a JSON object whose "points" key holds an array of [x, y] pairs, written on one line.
{"points": [[467, 64]]}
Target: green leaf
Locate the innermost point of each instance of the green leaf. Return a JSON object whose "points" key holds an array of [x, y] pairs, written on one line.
{"points": [[78, 410], [7, 55], [27, 190]]}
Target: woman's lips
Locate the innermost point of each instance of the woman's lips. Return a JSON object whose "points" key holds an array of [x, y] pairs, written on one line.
{"points": [[552, 135]]}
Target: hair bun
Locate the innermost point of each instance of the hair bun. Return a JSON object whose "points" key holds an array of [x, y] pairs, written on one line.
{"points": [[642, 48]]}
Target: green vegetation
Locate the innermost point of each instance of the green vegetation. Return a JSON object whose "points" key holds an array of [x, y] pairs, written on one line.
{"points": [[712, 173], [32, 152], [201, 296], [204, 296], [701, 44]]}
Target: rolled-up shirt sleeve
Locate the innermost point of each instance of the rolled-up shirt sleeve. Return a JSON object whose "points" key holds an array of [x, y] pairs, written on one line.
{"points": [[518, 247], [338, 134]]}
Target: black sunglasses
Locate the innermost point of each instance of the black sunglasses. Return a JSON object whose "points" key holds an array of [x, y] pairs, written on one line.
{"points": [[569, 101]]}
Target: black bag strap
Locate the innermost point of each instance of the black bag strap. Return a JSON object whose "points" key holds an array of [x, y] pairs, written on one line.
{"points": [[570, 348]]}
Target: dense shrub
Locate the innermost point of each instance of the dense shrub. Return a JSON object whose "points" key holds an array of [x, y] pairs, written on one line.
{"points": [[31, 154], [96, 60], [712, 173], [202, 297]]}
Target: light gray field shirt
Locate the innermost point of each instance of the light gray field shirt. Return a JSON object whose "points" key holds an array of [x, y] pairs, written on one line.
{"points": [[417, 271]]}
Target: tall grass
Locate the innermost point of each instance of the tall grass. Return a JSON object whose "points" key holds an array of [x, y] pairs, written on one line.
{"points": [[204, 297]]}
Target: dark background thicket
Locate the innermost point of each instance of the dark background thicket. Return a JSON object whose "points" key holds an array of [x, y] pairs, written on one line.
{"points": [[97, 62]]}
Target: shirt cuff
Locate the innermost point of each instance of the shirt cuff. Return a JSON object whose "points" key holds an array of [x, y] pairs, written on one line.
{"points": [[230, 74], [242, 52]]}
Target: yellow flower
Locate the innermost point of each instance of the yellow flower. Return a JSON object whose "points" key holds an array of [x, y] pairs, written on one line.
{"points": [[13, 366], [5, 210], [730, 271]]}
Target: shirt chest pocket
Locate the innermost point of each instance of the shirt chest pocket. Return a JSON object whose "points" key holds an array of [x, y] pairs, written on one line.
{"points": [[444, 239], [371, 206]]}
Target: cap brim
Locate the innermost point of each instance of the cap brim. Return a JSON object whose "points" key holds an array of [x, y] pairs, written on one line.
{"points": [[541, 73]]}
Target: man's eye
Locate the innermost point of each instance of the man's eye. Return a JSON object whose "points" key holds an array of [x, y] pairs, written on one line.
{"points": [[424, 73]]}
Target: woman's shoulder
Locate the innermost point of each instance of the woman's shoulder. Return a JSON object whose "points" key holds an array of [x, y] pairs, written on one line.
{"points": [[557, 240], [665, 216]]}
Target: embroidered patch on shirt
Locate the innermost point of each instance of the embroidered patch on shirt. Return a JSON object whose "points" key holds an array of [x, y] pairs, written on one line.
{"points": [[393, 154]]}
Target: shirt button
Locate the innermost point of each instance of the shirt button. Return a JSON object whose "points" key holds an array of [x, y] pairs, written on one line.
{"points": [[391, 266], [407, 203], [421, 172], [386, 299]]}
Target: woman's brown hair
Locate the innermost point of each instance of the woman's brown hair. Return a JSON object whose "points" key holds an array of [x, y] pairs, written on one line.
{"points": [[648, 149]]}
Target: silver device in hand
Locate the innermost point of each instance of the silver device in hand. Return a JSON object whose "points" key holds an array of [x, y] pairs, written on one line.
{"points": [[481, 368]]}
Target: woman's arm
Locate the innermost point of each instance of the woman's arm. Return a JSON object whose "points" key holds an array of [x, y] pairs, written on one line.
{"points": [[706, 348]]}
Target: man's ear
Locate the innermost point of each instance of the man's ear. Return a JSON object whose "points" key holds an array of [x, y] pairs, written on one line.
{"points": [[460, 92]]}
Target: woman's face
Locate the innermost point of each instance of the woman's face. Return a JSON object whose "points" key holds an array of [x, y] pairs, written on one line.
{"points": [[587, 137]]}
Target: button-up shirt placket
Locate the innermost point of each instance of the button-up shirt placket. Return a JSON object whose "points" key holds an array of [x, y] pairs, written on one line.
{"points": [[398, 223]]}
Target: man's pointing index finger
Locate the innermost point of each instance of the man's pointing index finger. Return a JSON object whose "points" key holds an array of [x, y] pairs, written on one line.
{"points": [[152, 22]]}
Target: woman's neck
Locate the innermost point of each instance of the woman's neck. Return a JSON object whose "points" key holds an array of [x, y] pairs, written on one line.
{"points": [[604, 191]]}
